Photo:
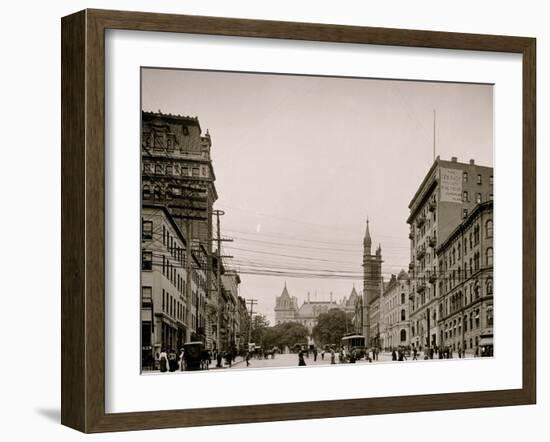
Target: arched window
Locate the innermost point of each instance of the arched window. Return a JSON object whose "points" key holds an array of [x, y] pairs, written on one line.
{"points": [[489, 256], [489, 228], [490, 286], [156, 194], [402, 298], [403, 315], [403, 335]]}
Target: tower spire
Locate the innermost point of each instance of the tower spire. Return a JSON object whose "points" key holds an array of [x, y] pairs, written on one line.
{"points": [[367, 241]]}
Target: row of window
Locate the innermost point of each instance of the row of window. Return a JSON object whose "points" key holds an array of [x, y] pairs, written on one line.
{"points": [[174, 170], [170, 242], [453, 329], [479, 199], [454, 256], [161, 140], [173, 307], [479, 179], [471, 293], [170, 272]]}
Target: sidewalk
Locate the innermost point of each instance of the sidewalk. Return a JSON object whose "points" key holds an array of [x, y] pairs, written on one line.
{"points": [[238, 360]]}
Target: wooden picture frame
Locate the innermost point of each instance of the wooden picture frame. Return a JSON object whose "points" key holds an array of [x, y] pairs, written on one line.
{"points": [[83, 220]]}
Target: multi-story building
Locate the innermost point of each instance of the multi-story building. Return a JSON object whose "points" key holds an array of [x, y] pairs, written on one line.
{"points": [[177, 173], [465, 282], [447, 195], [394, 312], [165, 318], [369, 317], [243, 325], [230, 293]]}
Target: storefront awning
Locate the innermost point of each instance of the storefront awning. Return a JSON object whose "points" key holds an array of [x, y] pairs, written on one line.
{"points": [[486, 341]]}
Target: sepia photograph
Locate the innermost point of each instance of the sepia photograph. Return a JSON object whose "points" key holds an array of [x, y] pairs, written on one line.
{"points": [[298, 220]]}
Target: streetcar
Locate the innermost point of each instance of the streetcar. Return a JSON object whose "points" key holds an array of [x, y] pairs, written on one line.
{"points": [[354, 342]]}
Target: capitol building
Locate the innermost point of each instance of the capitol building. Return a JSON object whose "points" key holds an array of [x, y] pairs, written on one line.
{"points": [[287, 310]]}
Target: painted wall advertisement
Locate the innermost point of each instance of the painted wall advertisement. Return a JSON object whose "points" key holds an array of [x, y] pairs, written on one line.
{"points": [[450, 185]]}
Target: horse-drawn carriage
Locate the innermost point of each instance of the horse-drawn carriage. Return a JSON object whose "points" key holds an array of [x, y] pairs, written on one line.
{"points": [[193, 353]]}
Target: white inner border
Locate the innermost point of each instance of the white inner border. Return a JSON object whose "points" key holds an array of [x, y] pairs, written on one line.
{"points": [[127, 390]]}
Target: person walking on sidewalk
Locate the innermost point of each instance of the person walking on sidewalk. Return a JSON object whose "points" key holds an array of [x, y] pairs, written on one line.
{"points": [[163, 361], [301, 362]]}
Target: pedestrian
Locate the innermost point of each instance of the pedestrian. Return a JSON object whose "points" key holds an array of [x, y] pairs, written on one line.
{"points": [[247, 358], [414, 354], [301, 361], [219, 357], [182, 360], [228, 358], [323, 355], [332, 356], [393, 355], [315, 354], [172, 360], [163, 361]]}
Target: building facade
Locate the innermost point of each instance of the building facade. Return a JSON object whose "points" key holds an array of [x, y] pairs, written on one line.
{"points": [[466, 283], [167, 319], [448, 194], [177, 174], [395, 313]]}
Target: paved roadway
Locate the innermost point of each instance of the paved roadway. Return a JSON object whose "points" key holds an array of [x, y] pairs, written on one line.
{"points": [[291, 360]]}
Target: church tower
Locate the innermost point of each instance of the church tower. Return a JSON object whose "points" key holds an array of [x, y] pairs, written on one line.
{"points": [[372, 281]]}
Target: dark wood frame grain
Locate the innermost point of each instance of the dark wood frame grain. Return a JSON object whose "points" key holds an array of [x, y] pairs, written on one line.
{"points": [[83, 216]]}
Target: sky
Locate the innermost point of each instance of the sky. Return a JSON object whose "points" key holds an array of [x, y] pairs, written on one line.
{"points": [[302, 161]]}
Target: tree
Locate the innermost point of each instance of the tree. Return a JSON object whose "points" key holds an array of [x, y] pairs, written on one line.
{"points": [[331, 327], [285, 334], [259, 326]]}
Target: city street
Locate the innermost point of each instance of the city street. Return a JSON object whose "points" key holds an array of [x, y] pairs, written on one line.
{"points": [[291, 360]]}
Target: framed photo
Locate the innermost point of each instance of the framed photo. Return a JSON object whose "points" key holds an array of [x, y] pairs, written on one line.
{"points": [[266, 221]]}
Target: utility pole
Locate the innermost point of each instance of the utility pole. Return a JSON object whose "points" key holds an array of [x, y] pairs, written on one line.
{"points": [[217, 214], [434, 138], [188, 276], [252, 303]]}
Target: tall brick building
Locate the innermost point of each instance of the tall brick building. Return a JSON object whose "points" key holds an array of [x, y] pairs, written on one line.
{"points": [[449, 194]]}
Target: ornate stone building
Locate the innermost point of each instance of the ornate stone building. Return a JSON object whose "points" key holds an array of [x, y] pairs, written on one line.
{"points": [[287, 310], [394, 312], [177, 175]]}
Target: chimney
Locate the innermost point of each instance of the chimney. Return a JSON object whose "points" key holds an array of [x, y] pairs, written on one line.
{"points": [[331, 297], [454, 159], [307, 296], [472, 161]]}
